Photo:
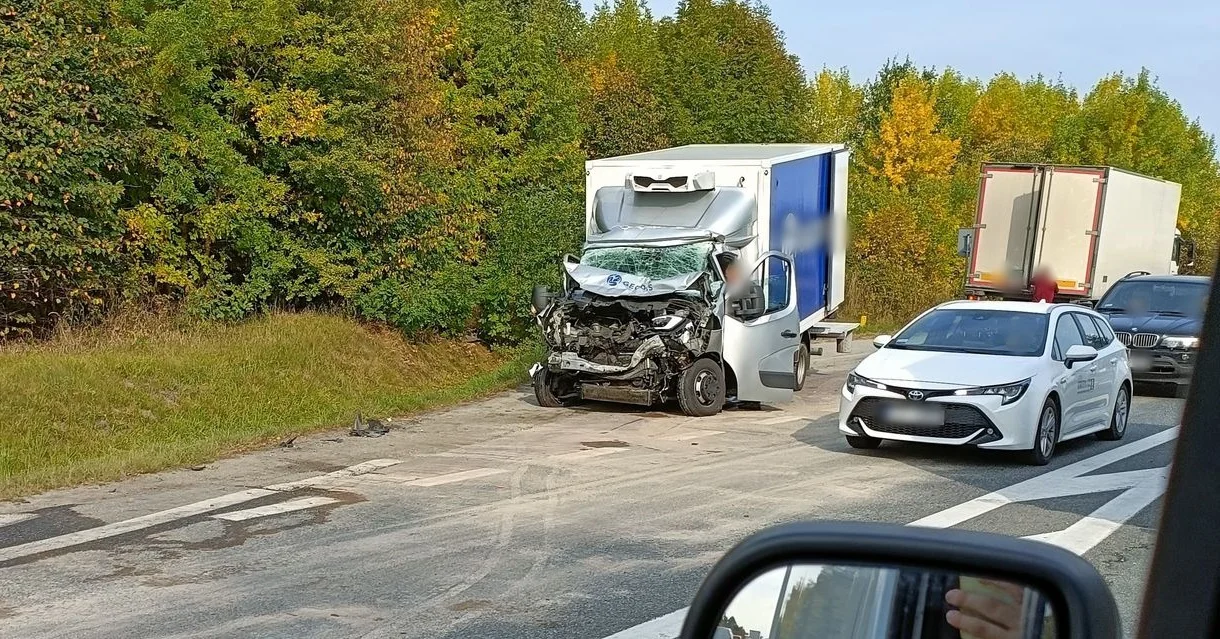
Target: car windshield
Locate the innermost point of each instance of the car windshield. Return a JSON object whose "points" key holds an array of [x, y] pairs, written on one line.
{"points": [[1168, 298], [656, 262], [990, 332]]}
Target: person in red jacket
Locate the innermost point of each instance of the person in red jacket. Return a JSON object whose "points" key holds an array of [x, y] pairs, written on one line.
{"points": [[1044, 286]]}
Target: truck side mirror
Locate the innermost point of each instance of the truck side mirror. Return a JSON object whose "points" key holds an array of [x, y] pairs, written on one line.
{"points": [[541, 298], [746, 301]]}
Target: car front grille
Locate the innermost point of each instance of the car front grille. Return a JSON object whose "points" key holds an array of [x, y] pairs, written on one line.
{"points": [[1139, 340], [961, 420]]}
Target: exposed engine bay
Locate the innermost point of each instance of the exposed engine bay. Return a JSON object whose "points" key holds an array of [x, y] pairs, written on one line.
{"points": [[625, 349]]}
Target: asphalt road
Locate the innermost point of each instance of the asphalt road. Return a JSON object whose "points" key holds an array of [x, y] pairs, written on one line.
{"points": [[501, 519]]}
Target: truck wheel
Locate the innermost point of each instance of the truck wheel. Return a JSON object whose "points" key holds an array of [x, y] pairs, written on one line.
{"points": [[843, 344], [701, 389], [802, 365], [544, 391]]}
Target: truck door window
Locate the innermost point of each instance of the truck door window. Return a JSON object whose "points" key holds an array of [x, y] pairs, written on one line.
{"points": [[776, 273]]}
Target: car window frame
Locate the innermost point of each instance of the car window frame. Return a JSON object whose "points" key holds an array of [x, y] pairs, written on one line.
{"points": [[1103, 325], [1057, 351], [1083, 320]]}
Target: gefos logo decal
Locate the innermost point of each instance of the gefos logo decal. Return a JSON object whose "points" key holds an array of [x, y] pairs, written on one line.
{"points": [[614, 279]]}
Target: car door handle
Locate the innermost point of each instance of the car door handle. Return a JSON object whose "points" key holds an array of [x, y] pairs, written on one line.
{"points": [[788, 334]]}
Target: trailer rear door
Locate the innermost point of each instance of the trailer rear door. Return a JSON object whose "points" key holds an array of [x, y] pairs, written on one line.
{"points": [[1068, 230], [1004, 227]]}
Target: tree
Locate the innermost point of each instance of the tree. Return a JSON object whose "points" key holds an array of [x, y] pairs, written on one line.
{"points": [[1017, 122], [907, 146], [730, 78], [623, 113], [65, 148], [832, 109]]}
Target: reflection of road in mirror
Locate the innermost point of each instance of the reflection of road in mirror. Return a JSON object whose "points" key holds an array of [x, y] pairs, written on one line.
{"points": [[864, 602]]}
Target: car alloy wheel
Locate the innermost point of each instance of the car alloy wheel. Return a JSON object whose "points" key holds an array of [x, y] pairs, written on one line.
{"points": [[1047, 429], [1122, 410]]}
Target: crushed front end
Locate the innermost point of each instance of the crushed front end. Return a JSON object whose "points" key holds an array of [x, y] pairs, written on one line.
{"points": [[621, 337]]}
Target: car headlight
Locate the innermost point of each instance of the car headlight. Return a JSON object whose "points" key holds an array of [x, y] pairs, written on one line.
{"points": [[1009, 392], [1180, 342], [667, 322], [854, 380]]}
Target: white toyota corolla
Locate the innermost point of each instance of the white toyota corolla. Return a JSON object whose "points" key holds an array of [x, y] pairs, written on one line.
{"points": [[996, 375]]}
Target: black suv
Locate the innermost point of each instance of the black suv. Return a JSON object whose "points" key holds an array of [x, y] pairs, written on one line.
{"points": [[1159, 318]]}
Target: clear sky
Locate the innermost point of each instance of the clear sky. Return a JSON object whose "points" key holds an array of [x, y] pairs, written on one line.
{"points": [[1078, 40]]}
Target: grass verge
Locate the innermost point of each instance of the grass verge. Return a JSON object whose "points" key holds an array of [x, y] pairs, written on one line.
{"points": [[103, 404]]}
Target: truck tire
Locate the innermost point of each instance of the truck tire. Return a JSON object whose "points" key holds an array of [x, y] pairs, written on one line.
{"points": [[801, 364], [544, 391], [843, 344], [701, 389]]}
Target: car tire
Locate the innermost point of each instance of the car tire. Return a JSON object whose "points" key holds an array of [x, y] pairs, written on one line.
{"points": [[1118, 420], [544, 391], [1046, 437], [863, 442], [701, 388], [801, 365]]}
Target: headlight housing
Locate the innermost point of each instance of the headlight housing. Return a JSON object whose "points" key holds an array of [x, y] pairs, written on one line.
{"points": [[1180, 342], [854, 380], [1009, 392]]}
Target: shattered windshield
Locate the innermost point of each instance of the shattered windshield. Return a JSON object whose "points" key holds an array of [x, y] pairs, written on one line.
{"points": [[655, 262]]}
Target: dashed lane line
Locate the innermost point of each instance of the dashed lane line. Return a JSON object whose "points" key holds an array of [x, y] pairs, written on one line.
{"points": [[450, 478], [782, 419], [15, 518], [289, 506], [585, 454], [190, 510]]}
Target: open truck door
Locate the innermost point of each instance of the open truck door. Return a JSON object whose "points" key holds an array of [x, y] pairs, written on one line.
{"points": [[762, 331]]}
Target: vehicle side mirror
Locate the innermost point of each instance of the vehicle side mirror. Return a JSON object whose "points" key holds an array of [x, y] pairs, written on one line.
{"points": [[541, 298], [1079, 354], [881, 340], [1088, 303], [746, 301], [885, 580]]}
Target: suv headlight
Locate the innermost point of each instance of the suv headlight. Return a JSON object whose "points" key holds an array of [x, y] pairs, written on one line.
{"points": [[1180, 342], [854, 380], [1009, 392]]}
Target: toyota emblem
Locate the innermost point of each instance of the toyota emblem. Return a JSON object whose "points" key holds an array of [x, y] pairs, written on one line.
{"points": [[915, 396]]}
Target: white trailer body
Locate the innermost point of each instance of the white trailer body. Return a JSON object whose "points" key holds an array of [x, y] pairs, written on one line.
{"points": [[801, 192], [1089, 225]]}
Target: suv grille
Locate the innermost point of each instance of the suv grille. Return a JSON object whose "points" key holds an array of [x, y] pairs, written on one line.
{"points": [[1139, 340], [961, 420]]}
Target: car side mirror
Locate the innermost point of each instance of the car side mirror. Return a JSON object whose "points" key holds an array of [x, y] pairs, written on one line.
{"points": [[1087, 303], [541, 298], [1079, 354], [881, 340], [885, 580]]}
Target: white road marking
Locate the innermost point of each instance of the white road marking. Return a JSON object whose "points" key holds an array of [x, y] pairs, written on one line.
{"points": [[456, 477], [682, 436], [663, 627], [1143, 488], [275, 509], [782, 419], [585, 454], [338, 477], [190, 510], [15, 518]]}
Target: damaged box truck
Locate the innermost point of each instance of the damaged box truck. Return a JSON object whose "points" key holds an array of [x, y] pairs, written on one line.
{"points": [[706, 274]]}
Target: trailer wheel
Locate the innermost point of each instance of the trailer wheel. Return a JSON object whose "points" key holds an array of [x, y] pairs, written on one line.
{"points": [[801, 364], [544, 391], [701, 389], [843, 344]]}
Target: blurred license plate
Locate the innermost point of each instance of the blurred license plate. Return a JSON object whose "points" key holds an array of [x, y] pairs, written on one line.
{"points": [[1140, 362], [914, 414]]}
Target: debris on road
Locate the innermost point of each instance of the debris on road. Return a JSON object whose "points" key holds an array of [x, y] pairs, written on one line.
{"points": [[288, 443], [371, 428]]}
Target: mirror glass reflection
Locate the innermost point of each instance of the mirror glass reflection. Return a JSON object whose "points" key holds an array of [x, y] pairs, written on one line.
{"points": [[869, 602]]}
